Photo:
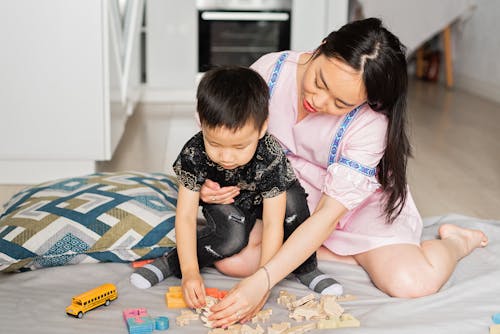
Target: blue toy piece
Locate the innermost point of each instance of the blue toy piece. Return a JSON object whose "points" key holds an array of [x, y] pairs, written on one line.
{"points": [[496, 318], [139, 322], [140, 325], [161, 323]]}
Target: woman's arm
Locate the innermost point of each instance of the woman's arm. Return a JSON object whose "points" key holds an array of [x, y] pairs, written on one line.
{"points": [[185, 235], [305, 240], [273, 215]]}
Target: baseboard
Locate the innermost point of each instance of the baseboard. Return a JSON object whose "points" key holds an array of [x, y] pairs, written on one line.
{"points": [[484, 89], [37, 171]]}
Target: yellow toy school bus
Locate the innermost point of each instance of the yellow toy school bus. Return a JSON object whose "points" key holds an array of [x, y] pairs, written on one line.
{"points": [[102, 295]]}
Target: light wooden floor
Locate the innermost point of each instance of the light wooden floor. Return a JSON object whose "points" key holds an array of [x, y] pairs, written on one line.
{"points": [[455, 135]]}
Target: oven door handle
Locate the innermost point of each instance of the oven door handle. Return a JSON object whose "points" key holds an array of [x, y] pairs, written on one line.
{"points": [[244, 16]]}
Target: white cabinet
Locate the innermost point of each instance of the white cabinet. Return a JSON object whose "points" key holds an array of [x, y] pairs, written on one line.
{"points": [[65, 91], [314, 20]]}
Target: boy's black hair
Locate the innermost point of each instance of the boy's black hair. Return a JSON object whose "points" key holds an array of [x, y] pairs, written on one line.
{"points": [[230, 96]]}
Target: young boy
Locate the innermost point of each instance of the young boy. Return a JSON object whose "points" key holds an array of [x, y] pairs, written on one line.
{"points": [[233, 149]]}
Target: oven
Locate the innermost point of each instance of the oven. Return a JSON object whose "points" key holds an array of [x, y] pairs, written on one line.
{"points": [[238, 32]]}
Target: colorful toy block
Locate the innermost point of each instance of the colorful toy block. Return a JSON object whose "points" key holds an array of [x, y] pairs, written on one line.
{"points": [[140, 263], [140, 325], [216, 293], [139, 322], [161, 323], [174, 297]]}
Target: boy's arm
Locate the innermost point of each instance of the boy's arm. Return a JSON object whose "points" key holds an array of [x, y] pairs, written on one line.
{"points": [[185, 236], [273, 216]]}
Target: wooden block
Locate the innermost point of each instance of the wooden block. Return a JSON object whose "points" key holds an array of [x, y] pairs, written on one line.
{"points": [[303, 300], [309, 310], [245, 329], [185, 317], [285, 298], [348, 320], [331, 307], [328, 323], [495, 329], [175, 300], [301, 329], [262, 316], [345, 298], [278, 328], [175, 288], [235, 328], [216, 293]]}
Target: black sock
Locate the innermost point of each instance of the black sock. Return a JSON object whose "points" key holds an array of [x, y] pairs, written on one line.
{"points": [[320, 282]]}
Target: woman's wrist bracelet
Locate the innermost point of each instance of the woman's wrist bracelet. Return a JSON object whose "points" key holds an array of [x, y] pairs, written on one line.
{"points": [[268, 277]]}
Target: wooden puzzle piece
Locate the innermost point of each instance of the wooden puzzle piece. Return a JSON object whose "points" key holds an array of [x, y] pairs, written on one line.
{"points": [[185, 317], [303, 300], [262, 316], [345, 298], [328, 323], [307, 311], [330, 306], [286, 299], [278, 328], [301, 329], [495, 329], [348, 320], [245, 329]]}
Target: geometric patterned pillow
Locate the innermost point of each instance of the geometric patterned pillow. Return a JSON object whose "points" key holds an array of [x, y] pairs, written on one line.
{"points": [[103, 217]]}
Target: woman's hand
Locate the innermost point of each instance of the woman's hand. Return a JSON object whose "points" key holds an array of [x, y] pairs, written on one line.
{"points": [[193, 289], [242, 302], [212, 193]]}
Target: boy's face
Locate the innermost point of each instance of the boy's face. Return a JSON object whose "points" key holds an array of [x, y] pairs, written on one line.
{"points": [[231, 149]]}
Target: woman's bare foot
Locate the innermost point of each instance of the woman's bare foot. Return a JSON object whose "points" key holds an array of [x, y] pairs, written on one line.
{"points": [[468, 239]]}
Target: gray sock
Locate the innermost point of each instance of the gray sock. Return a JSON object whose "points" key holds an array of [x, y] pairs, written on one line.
{"points": [[320, 282], [151, 274]]}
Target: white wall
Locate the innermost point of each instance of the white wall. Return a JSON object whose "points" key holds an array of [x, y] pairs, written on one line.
{"points": [[476, 43], [477, 51]]}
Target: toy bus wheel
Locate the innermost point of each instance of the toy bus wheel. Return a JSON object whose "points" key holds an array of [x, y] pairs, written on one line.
{"points": [[107, 303], [80, 315]]}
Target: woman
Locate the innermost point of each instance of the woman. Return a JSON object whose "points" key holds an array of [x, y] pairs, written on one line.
{"points": [[340, 114]]}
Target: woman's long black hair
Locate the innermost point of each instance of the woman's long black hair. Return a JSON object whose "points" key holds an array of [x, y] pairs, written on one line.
{"points": [[367, 46]]}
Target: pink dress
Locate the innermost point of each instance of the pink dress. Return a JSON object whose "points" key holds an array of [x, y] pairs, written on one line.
{"points": [[337, 156]]}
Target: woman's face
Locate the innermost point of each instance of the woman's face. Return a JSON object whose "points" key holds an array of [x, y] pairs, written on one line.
{"points": [[330, 86]]}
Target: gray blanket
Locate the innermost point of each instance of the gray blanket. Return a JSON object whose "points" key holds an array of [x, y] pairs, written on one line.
{"points": [[35, 302]]}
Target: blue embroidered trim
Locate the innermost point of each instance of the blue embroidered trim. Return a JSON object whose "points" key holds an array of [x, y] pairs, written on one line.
{"points": [[340, 133], [276, 72], [357, 166]]}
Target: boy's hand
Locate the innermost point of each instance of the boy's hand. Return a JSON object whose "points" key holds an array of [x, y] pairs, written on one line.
{"points": [[193, 289], [212, 193]]}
